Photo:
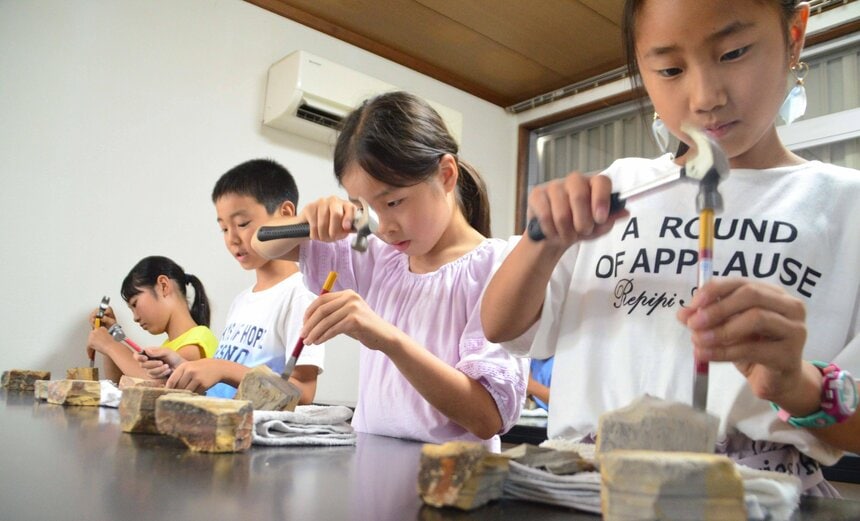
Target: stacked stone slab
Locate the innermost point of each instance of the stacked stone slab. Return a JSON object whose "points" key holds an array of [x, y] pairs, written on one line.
{"points": [[206, 424], [137, 408], [40, 389], [559, 462], [130, 381], [656, 462], [643, 484], [74, 392], [22, 379], [460, 474], [268, 391], [650, 423], [83, 373]]}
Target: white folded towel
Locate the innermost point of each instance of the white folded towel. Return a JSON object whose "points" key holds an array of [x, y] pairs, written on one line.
{"points": [[769, 495], [307, 425], [110, 394]]}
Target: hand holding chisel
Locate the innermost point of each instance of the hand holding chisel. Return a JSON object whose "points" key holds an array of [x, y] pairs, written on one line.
{"points": [[297, 350], [97, 323]]}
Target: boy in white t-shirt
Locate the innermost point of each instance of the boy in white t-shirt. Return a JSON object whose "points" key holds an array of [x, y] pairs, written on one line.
{"points": [[265, 320]]}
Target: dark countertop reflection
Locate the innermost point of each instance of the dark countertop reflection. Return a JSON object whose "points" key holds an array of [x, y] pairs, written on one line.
{"points": [[74, 463]]}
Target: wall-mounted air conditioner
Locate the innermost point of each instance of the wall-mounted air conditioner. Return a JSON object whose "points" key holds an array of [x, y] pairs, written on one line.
{"points": [[310, 96]]}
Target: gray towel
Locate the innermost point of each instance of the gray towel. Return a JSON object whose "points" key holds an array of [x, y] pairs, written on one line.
{"points": [[581, 490], [307, 425], [768, 495]]}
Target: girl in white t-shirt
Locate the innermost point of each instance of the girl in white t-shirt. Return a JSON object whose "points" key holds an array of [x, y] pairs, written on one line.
{"points": [[613, 296]]}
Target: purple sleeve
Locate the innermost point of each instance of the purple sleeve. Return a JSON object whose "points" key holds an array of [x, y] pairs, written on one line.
{"points": [[317, 259], [355, 270]]}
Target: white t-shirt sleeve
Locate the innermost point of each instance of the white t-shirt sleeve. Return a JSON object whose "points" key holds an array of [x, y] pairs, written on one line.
{"points": [[290, 326], [545, 332]]}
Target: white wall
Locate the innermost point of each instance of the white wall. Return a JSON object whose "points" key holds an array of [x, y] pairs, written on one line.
{"points": [[116, 118]]}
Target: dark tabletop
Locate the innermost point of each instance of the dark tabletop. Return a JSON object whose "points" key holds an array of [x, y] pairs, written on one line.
{"points": [[74, 463]]}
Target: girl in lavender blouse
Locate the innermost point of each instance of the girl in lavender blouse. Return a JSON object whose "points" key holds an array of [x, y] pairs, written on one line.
{"points": [[427, 372]]}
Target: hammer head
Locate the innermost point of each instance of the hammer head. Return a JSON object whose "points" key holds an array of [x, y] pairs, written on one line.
{"points": [[103, 305], [117, 333], [707, 164], [364, 223]]}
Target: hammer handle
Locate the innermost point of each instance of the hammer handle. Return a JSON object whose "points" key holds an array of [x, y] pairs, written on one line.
{"points": [[286, 231], [616, 204]]}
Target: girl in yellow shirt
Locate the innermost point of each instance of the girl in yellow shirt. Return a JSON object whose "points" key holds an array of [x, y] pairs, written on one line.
{"points": [[155, 290]]}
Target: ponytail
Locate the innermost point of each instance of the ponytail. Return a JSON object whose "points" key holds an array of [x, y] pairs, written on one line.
{"points": [[200, 306], [472, 197], [145, 274]]}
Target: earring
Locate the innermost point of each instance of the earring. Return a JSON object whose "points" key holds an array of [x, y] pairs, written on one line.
{"points": [[661, 133], [794, 105]]}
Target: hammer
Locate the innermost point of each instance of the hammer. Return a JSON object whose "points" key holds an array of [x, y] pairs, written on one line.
{"points": [[118, 334], [97, 323], [708, 165], [364, 223]]}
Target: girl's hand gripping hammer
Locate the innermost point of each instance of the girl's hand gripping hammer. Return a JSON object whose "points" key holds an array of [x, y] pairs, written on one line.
{"points": [[364, 223]]}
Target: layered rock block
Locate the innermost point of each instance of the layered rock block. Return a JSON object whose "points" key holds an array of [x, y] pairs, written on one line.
{"points": [[460, 474], [74, 392], [650, 423], [83, 373], [130, 381], [40, 389], [22, 379], [206, 424], [268, 391], [643, 484], [137, 408]]}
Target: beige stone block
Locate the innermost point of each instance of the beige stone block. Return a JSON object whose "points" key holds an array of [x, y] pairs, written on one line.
{"points": [[130, 381], [22, 379], [74, 392], [137, 408], [650, 423], [460, 474], [83, 373], [206, 424], [268, 391], [40, 389], [650, 485]]}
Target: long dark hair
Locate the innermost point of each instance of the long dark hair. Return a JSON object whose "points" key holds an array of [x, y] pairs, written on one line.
{"points": [[399, 139], [145, 273]]}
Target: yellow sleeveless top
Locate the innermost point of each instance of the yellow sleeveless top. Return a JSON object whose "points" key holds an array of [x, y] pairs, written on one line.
{"points": [[200, 335]]}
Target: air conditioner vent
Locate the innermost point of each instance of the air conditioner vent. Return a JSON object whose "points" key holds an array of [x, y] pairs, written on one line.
{"points": [[318, 116]]}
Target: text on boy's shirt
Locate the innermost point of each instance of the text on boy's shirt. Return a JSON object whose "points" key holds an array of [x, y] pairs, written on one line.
{"points": [[238, 340]]}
